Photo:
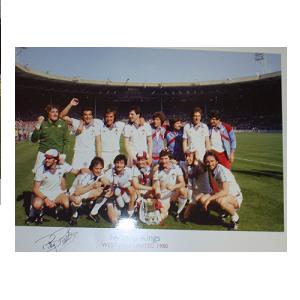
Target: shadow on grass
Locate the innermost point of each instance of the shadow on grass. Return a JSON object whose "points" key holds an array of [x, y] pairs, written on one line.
{"points": [[261, 173]]}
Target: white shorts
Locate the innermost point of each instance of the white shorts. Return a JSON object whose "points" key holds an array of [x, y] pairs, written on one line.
{"points": [[82, 160], [239, 199], [85, 195], [166, 198], [52, 195], [108, 158], [39, 161]]}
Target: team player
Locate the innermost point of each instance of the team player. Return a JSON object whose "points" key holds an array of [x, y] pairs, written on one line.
{"points": [[110, 136], [174, 138], [47, 188], [87, 140], [158, 135], [197, 179], [122, 194], [222, 139], [195, 134], [169, 184], [142, 174], [137, 136], [87, 186], [52, 133], [229, 197]]}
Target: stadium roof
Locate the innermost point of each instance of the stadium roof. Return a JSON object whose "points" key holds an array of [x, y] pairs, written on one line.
{"points": [[23, 72]]}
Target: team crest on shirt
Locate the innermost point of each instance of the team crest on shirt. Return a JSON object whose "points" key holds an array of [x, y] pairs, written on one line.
{"points": [[58, 125]]}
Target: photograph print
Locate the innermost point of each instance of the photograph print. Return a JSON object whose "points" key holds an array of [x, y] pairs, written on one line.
{"points": [[160, 138]]}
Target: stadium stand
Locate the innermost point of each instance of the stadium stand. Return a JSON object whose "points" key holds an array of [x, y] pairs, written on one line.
{"points": [[244, 102]]}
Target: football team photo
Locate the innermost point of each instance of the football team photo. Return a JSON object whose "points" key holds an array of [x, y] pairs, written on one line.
{"points": [[161, 138]]}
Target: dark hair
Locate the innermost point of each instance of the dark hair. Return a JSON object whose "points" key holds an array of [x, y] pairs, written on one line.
{"points": [[165, 152], [160, 115], [214, 114], [87, 108], [49, 107], [120, 157], [136, 109], [210, 153], [173, 121], [109, 110], [96, 161], [195, 110]]}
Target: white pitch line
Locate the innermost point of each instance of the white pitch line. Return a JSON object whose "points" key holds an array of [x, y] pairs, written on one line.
{"points": [[260, 162]]}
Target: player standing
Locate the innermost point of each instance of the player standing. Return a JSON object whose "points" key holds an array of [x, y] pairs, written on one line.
{"points": [[158, 135], [110, 135], [195, 134], [222, 139], [87, 139], [52, 133], [137, 136], [174, 139]]}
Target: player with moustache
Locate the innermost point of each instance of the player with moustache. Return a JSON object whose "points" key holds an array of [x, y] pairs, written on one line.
{"points": [[87, 134], [47, 187], [229, 197]]}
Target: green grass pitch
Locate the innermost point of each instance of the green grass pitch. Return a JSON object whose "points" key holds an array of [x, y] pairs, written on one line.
{"points": [[258, 169]]}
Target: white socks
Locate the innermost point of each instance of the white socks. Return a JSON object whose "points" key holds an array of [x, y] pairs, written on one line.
{"points": [[235, 217], [181, 204]]}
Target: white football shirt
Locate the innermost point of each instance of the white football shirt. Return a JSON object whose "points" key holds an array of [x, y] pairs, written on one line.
{"points": [[195, 136], [168, 176], [50, 182], [85, 141], [137, 137], [110, 137], [222, 174], [123, 179], [216, 140]]}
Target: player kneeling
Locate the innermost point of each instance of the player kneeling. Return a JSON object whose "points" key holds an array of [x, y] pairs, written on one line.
{"points": [[122, 194], [47, 188], [197, 180], [169, 184], [88, 186], [229, 197]]}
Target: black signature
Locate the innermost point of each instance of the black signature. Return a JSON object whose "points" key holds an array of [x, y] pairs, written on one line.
{"points": [[57, 240]]}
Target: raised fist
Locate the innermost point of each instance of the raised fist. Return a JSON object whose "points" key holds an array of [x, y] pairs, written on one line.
{"points": [[40, 119], [74, 102]]}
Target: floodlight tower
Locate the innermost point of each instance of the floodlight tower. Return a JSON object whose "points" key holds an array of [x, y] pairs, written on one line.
{"points": [[260, 57]]}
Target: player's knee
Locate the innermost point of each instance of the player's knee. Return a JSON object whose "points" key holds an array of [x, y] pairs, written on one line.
{"points": [[98, 193], [37, 203], [221, 201], [183, 192], [65, 202]]}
